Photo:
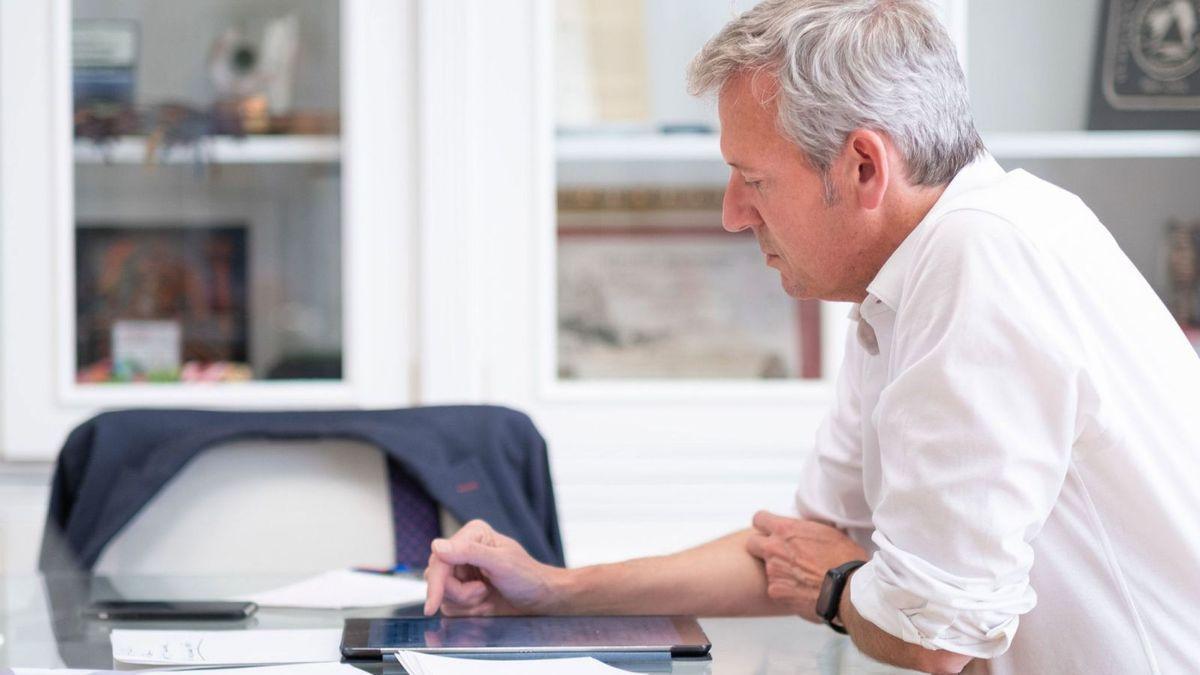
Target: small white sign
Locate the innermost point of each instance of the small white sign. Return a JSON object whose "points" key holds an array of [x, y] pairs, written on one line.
{"points": [[147, 346], [104, 44]]}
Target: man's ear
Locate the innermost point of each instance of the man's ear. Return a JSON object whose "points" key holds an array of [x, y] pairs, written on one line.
{"points": [[868, 167]]}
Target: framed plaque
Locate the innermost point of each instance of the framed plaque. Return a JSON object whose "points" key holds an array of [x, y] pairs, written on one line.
{"points": [[1147, 65]]}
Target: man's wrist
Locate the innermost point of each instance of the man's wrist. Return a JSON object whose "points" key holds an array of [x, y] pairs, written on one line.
{"points": [[563, 588], [845, 607]]}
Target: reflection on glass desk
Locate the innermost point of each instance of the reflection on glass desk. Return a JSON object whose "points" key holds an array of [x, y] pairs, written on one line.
{"points": [[41, 626]]}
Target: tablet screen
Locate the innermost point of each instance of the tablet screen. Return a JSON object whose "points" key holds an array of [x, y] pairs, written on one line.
{"points": [[522, 633]]}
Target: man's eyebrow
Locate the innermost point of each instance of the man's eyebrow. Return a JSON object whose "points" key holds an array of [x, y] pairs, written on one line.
{"points": [[740, 167]]}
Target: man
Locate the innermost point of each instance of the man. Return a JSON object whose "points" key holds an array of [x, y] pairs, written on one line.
{"points": [[1005, 474]]}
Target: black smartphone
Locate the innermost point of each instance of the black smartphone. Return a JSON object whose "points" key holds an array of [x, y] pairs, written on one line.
{"points": [[147, 610]]}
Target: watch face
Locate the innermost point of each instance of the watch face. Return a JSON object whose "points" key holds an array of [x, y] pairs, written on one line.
{"points": [[825, 607]]}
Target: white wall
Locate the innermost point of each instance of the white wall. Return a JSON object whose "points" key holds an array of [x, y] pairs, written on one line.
{"points": [[24, 492]]}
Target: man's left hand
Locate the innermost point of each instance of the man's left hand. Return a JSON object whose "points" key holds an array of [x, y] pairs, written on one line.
{"points": [[796, 554]]}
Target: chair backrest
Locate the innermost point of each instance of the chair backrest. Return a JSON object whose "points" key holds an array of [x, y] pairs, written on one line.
{"points": [[261, 507]]}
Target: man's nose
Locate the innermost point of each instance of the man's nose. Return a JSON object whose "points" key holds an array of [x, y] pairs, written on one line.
{"points": [[737, 213]]}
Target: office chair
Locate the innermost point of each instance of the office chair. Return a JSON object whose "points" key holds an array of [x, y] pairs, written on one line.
{"points": [[200, 492], [254, 506]]}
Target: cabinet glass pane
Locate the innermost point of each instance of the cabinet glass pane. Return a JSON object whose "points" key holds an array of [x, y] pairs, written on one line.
{"points": [[1046, 84], [649, 284], [207, 180]]}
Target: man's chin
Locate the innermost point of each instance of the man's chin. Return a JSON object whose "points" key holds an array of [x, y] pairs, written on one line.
{"points": [[796, 290]]}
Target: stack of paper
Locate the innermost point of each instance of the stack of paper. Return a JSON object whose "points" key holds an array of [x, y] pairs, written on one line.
{"points": [[338, 589], [342, 589], [206, 648], [417, 663]]}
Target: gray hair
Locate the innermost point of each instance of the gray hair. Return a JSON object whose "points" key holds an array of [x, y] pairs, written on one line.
{"points": [[842, 65]]}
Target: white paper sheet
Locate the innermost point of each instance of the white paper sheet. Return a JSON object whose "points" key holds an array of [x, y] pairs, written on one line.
{"points": [[331, 668], [55, 671], [343, 589], [417, 663], [226, 647]]}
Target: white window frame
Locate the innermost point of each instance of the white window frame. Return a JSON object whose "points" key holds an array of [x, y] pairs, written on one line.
{"points": [[39, 399]]}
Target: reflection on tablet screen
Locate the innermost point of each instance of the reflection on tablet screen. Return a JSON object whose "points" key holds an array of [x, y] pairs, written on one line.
{"points": [[567, 631]]}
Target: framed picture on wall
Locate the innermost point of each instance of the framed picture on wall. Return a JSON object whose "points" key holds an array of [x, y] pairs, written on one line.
{"points": [[150, 299], [651, 287], [1147, 66]]}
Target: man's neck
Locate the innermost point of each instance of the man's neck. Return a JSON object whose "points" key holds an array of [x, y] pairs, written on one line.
{"points": [[905, 211]]}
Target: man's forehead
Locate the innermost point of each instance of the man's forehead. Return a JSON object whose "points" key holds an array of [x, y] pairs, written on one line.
{"points": [[747, 115]]}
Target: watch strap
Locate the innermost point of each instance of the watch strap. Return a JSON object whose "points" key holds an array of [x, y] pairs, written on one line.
{"points": [[830, 601]]}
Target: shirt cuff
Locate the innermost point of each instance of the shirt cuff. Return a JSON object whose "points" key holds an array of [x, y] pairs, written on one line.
{"points": [[976, 632]]}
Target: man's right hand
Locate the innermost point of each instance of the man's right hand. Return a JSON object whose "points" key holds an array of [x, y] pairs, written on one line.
{"points": [[479, 571]]}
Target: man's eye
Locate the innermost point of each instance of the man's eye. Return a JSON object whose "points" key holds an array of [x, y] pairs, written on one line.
{"points": [[756, 184]]}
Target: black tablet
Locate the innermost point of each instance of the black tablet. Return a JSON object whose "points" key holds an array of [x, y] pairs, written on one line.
{"points": [[373, 638]]}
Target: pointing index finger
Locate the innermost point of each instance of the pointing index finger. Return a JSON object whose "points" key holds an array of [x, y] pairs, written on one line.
{"points": [[435, 578]]}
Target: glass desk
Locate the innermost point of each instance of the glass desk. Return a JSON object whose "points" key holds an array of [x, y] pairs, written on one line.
{"points": [[41, 627]]}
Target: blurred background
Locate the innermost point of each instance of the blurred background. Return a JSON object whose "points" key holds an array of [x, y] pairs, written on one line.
{"points": [[312, 204]]}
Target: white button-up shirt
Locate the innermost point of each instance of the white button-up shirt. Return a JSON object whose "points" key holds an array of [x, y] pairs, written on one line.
{"points": [[1016, 441]]}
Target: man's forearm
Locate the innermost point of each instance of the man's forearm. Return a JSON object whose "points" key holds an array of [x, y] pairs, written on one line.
{"points": [[719, 578], [883, 646]]}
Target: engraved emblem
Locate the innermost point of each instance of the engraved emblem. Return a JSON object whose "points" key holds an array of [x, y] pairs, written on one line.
{"points": [[1166, 38]]}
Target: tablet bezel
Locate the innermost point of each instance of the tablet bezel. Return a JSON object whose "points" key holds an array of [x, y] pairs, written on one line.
{"points": [[693, 641]]}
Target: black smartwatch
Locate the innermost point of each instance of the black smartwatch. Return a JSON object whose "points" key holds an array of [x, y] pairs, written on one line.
{"points": [[830, 599]]}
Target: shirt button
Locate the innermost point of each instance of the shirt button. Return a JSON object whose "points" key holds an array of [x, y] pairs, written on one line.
{"points": [[867, 338]]}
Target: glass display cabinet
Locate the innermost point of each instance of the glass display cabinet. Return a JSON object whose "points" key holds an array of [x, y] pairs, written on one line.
{"points": [[207, 190], [649, 286], [204, 204]]}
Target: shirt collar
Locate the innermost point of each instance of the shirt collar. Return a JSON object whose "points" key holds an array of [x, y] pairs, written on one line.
{"points": [[888, 283]]}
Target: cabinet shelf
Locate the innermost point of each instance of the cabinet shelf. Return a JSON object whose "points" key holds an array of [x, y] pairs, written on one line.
{"points": [[1095, 144], [218, 150], [650, 147], [280, 394], [641, 147]]}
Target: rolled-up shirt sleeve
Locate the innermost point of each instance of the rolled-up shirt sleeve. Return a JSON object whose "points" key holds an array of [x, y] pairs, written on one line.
{"points": [[975, 430]]}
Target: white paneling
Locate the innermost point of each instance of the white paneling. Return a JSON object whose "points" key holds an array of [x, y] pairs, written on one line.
{"points": [[378, 184], [31, 422], [452, 329]]}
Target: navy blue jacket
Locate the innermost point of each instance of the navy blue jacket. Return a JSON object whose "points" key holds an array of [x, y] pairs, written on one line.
{"points": [[476, 461]]}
